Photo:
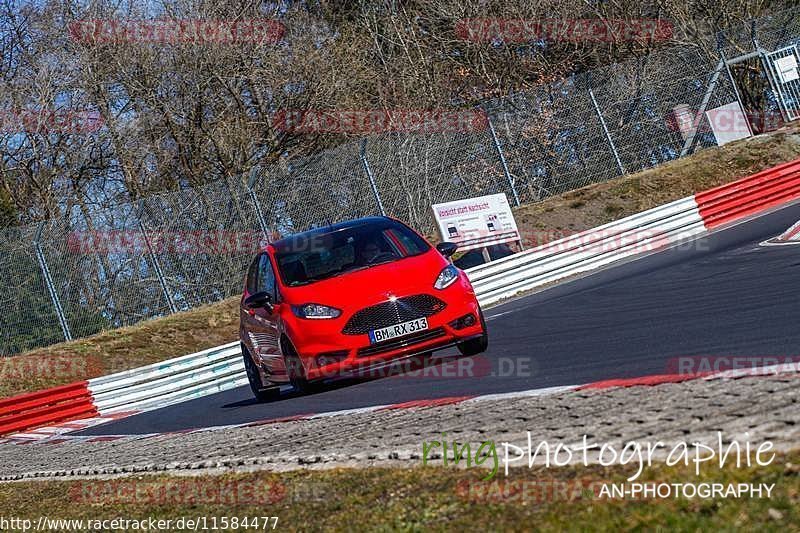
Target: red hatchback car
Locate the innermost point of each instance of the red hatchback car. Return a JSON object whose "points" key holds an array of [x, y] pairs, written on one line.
{"points": [[349, 298]]}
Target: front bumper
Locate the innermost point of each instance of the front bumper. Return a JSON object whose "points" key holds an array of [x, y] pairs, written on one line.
{"points": [[327, 353]]}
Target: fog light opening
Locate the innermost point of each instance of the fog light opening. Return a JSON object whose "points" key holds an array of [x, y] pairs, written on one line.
{"points": [[463, 322], [329, 358]]}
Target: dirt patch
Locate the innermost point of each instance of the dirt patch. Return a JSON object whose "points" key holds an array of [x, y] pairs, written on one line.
{"points": [[601, 203]]}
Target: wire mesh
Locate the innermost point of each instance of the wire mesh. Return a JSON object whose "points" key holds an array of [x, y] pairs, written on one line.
{"points": [[114, 267]]}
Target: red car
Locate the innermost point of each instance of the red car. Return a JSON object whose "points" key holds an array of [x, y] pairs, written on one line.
{"points": [[351, 297]]}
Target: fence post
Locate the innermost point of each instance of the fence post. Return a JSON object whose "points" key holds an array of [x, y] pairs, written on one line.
{"points": [[500, 153], [607, 133], [259, 213], [692, 134], [48, 281], [368, 170], [736, 89], [157, 267]]}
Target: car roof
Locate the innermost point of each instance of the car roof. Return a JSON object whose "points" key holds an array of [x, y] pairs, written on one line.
{"points": [[288, 242]]}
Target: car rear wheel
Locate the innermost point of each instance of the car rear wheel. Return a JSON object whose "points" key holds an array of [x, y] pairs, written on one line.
{"points": [[476, 345], [262, 393]]}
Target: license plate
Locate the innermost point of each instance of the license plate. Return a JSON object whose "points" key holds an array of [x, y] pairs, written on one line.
{"points": [[398, 330]]}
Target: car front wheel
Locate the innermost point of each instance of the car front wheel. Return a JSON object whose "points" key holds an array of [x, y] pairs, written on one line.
{"points": [[262, 393], [294, 367]]}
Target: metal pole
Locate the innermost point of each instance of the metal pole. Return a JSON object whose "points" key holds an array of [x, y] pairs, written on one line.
{"points": [[157, 267], [499, 149], [48, 280], [259, 213], [687, 145], [736, 91], [620, 167], [368, 170]]}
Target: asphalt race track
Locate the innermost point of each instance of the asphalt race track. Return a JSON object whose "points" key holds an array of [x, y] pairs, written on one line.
{"points": [[721, 295]]}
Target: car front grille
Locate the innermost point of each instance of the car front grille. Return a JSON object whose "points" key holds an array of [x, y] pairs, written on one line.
{"points": [[401, 342], [390, 313]]}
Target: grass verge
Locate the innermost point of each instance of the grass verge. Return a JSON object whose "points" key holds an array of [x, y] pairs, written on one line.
{"points": [[427, 498], [159, 339]]}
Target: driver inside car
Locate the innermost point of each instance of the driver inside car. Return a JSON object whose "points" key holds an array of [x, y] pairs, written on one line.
{"points": [[368, 253]]}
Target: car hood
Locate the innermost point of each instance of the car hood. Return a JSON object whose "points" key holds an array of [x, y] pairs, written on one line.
{"points": [[354, 290]]}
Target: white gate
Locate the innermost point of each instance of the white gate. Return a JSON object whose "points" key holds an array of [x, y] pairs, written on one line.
{"points": [[782, 66]]}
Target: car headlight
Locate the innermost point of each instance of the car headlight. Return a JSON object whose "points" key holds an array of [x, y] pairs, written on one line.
{"points": [[446, 277], [315, 311]]}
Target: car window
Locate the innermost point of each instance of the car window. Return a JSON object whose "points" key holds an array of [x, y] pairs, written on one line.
{"points": [[252, 275], [265, 279], [311, 257], [410, 242]]}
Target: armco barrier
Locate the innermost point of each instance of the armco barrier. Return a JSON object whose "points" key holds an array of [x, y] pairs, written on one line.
{"points": [[49, 406], [173, 381], [221, 368], [586, 251], [769, 188], [150, 387]]}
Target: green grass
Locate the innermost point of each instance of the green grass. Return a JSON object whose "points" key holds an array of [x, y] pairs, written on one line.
{"points": [[429, 498]]}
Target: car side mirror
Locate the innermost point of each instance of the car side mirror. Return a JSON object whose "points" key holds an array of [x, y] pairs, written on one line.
{"points": [[447, 248], [259, 300]]}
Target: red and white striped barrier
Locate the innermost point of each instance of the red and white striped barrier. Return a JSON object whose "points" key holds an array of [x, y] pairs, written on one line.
{"points": [[58, 436], [95, 401], [123, 394]]}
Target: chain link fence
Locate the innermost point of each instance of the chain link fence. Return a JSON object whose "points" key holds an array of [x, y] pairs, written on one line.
{"points": [[71, 277]]}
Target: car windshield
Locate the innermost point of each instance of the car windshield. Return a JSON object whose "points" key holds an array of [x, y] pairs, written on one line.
{"points": [[318, 255]]}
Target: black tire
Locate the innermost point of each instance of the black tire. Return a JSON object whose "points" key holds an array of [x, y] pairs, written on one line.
{"points": [[262, 393], [476, 345], [294, 368]]}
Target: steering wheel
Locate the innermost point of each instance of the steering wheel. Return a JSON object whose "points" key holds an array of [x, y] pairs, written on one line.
{"points": [[383, 256]]}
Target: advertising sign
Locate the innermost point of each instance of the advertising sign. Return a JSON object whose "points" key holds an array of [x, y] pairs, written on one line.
{"points": [[476, 222]]}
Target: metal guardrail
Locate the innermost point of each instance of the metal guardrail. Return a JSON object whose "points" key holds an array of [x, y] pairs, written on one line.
{"points": [[161, 384], [585, 251]]}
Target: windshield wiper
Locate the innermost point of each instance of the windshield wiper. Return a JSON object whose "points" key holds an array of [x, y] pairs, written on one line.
{"points": [[364, 267]]}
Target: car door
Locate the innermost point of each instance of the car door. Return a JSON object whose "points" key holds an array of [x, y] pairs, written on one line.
{"points": [[262, 324]]}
